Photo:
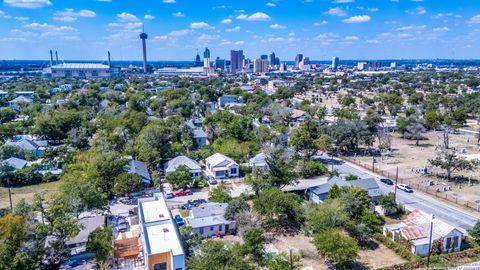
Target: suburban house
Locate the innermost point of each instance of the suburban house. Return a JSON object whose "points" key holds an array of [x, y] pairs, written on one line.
{"points": [[415, 228], [208, 220], [258, 162], [160, 239], [220, 166], [199, 135], [319, 193], [139, 168], [28, 143], [14, 102], [228, 99], [299, 115], [14, 162], [193, 166], [79, 242]]}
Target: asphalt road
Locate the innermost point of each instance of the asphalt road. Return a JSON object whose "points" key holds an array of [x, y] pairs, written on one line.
{"points": [[450, 214]]}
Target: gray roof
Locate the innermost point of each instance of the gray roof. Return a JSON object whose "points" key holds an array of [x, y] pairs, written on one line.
{"points": [[206, 221], [28, 144], [369, 184], [139, 168], [173, 164], [17, 163], [209, 210], [80, 66], [21, 99], [89, 225], [259, 160], [199, 133]]}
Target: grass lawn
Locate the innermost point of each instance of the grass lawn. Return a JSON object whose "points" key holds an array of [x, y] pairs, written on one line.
{"points": [[26, 193]]}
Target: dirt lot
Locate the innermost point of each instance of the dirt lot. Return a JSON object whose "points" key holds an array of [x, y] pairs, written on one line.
{"points": [[25, 193], [411, 158], [369, 259]]}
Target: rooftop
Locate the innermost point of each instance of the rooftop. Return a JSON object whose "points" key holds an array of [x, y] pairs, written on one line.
{"points": [[153, 211], [163, 238], [174, 163], [80, 66]]}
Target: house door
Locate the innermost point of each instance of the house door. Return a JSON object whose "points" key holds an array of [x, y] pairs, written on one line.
{"points": [[226, 228]]}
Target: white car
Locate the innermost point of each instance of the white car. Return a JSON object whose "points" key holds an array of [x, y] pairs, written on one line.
{"points": [[405, 188]]}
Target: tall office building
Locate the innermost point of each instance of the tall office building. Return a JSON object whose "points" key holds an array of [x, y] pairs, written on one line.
{"points": [[206, 62], [277, 61], [272, 60], [220, 64], [198, 61], [236, 61], [362, 65], [335, 61], [264, 57], [298, 59], [260, 66]]}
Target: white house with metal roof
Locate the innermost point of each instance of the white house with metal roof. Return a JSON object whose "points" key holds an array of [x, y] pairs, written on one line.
{"points": [[416, 227], [319, 193], [16, 163], [161, 243], [220, 166], [208, 220], [258, 162]]}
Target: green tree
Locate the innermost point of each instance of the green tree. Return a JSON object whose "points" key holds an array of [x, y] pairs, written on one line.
{"points": [[334, 192], [253, 243], [371, 221], [220, 194], [282, 262], [126, 183], [450, 162], [235, 206], [389, 205], [330, 214], [100, 242], [474, 232], [7, 115], [218, 255], [13, 229], [335, 245], [181, 177], [274, 204], [432, 119]]}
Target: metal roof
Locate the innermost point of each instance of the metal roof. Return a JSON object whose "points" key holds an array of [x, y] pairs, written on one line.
{"points": [[173, 164]]}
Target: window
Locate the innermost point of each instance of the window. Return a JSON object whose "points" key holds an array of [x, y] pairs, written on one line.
{"points": [[201, 230], [211, 228], [233, 170], [220, 228], [160, 266]]}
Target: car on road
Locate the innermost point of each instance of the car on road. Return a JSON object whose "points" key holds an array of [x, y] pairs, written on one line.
{"points": [[405, 188], [182, 192], [387, 181], [168, 194], [211, 180], [193, 203]]}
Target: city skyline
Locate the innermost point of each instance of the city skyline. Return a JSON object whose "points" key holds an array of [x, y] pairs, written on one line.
{"points": [[349, 29]]}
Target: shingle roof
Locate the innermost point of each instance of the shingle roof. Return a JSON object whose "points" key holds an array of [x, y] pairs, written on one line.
{"points": [[259, 160], [369, 184], [199, 133], [218, 159], [139, 168], [173, 164], [21, 99], [206, 221], [17, 163], [209, 210]]}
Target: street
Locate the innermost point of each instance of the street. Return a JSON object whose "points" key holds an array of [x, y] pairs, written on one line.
{"points": [[450, 214]]}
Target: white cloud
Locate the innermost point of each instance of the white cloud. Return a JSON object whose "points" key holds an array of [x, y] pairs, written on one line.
{"points": [[178, 14], [149, 17], [475, 19], [179, 33], [127, 17], [412, 27], [48, 30], [240, 42], [270, 4], [169, 1], [258, 16], [69, 15], [276, 39], [337, 11], [200, 25], [277, 26], [234, 29], [372, 9], [206, 37], [226, 21], [351, 38], [320, 23], [21, 18], [27, 3], [343, 1], [358, 19], [418, 11], [441, 29], [372, 41]]}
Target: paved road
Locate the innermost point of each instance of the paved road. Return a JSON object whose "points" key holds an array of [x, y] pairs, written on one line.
{"points": [[450, 214]]}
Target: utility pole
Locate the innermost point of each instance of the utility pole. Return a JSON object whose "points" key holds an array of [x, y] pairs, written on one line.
{"points": [[430, 242], [373, 163], [395, 187], [291, 260], [9, 193]]}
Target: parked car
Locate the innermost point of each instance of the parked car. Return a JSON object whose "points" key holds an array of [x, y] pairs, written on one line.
{"points": [[168, 194], [122, 225], [405, 188], [182, 192], [387, 181], [179, 220], [211, 180], [193, 203]]}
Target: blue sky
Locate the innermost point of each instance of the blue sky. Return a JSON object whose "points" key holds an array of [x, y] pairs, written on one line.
{"points": [[320, 29]]}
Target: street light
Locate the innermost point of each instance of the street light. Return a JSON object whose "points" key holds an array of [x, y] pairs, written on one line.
{"points": [[430, 242]]}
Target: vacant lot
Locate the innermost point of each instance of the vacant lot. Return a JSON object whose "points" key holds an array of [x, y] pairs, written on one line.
{"points": [[410, 158], [26, 193], [369, 259]]}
